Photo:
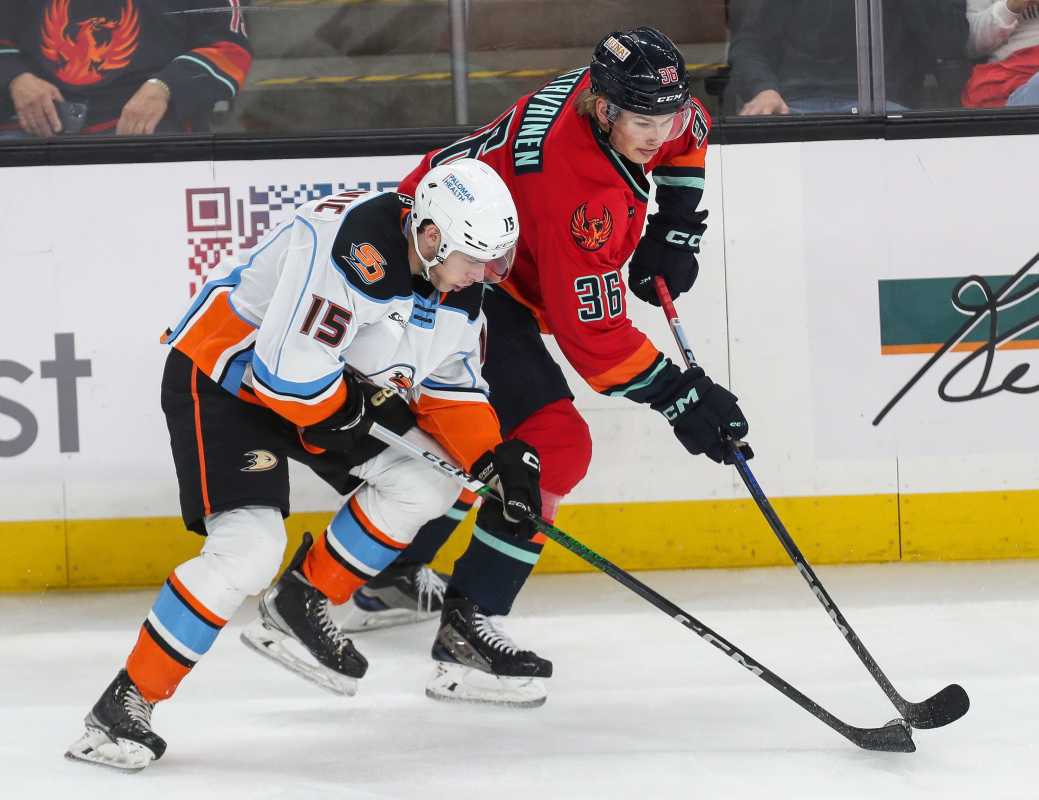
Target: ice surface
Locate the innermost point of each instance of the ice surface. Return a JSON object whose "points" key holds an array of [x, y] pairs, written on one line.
{"points": [[639, 707]]}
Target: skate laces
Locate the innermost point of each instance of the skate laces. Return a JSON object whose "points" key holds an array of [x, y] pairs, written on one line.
{"points": [[430, 588], [489, 630], [329, 627], [139, 709]]}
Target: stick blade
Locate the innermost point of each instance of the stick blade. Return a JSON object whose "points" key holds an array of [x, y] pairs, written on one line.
{"points": [[895, 737], [947, 706]]}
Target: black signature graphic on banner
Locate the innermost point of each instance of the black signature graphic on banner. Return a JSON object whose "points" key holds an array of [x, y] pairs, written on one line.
{"points": [[987, 310]]}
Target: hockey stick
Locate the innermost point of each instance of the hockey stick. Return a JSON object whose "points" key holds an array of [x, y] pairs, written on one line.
{"points": [[894, 737], [940, 709]]}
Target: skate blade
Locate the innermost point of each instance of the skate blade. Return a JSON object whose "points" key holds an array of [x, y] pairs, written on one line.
{"points": [[270, 643], [457, 683], [355, 619], [96, 748]]}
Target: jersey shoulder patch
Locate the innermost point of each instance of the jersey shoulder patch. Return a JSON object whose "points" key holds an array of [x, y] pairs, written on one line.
{"points": [[370, 249]]}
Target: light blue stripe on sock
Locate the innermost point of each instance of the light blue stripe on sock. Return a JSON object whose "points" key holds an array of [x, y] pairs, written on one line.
{"points": [[504, 547], [182, 622], [354, 540], [456, 513]]}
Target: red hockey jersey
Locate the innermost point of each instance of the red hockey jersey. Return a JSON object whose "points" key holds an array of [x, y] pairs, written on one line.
{"points": [[582, 210]]}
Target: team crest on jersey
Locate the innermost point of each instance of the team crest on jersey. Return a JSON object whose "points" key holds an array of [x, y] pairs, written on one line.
{"points": [[259, 461], [591, 233], [369, 263], [85, 49]]}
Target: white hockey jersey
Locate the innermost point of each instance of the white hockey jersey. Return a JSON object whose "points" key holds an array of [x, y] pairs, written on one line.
{"points": [[332, 287]]}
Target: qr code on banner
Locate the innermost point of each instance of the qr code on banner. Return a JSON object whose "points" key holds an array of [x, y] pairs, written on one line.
{"points": [[223, 221]]}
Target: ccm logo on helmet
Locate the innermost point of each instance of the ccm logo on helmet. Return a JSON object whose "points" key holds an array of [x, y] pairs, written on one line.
{"points": [[669, 98]]}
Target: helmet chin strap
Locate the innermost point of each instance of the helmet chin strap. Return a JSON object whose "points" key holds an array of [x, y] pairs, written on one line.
{"points": [[427, 265]]}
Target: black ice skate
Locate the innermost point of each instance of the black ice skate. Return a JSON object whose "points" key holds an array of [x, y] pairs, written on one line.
{"points": [[396, 596], [294, 609], [119, 732], [477, 662]]}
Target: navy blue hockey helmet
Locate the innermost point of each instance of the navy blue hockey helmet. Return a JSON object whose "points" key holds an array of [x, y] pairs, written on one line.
{"points": [[640, 71]]}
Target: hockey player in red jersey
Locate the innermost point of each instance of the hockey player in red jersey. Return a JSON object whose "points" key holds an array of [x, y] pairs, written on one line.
{"points": [[575, 155], [359, 309]]}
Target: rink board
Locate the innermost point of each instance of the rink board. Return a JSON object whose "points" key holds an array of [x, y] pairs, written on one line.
{"points": [[833, 276], [84, 554]]}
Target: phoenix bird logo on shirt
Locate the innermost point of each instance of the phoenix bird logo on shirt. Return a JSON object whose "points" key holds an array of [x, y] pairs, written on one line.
{"points": [[591, 234], [85, 50]]}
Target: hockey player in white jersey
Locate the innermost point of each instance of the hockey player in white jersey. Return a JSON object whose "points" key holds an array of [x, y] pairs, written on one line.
{"points": [[357, 310]]}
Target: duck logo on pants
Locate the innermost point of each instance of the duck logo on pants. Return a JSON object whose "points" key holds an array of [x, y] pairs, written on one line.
{"points": [[260, 461]]}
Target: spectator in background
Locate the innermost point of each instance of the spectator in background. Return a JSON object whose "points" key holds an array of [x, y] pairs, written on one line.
{"points": [[799, 56], [1006, 32], [129, 66]]}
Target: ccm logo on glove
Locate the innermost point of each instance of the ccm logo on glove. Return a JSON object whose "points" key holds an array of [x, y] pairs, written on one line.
{"points": [[382, 396], [705, 416], [513, 472], [673, 411], [683, 239]]}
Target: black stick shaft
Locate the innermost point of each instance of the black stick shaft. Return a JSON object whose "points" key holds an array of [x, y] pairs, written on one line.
{"points": [[816, 585], [780, 531], [876, 739], [689, 621]]}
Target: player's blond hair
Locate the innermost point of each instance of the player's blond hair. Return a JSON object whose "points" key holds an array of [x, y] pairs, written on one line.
{"points": [[585, 103]]}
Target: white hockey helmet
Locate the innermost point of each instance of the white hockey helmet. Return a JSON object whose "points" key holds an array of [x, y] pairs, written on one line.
{"points": [[472, 207]]}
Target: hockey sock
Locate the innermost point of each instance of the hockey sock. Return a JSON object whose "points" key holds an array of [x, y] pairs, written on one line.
{"points": [[435, 533], [497, 562], [177, 633], [349, 553]]}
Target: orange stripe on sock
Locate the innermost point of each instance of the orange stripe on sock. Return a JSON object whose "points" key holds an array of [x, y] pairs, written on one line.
{"points": [[328, 575], [467, 497], [538, 538], [195, 603], [198, 441], [371, 529], [155, 673]]}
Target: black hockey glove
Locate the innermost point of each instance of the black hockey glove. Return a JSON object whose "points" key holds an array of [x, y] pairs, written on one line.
{"points": [[347, 429], [513, 471], [704, 416], [670, 251]]}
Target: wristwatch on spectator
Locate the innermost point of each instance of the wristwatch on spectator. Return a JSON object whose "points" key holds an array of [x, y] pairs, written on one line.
{"points": [[162, 84]]}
